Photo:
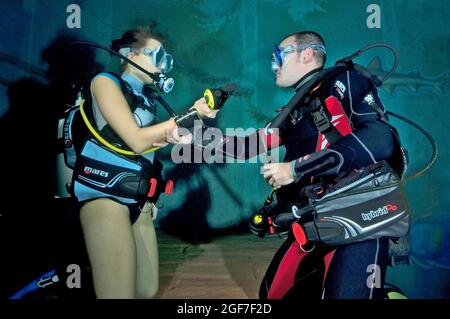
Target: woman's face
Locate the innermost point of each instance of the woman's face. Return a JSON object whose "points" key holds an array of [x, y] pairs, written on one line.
{"points": [[144, 61]]}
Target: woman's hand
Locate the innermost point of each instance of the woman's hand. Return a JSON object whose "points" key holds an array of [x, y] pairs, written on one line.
{"points": [[203, 110], [173, 136]]}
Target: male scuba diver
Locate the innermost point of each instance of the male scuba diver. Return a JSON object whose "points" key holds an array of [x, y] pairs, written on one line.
{"points": [[335, 125]]}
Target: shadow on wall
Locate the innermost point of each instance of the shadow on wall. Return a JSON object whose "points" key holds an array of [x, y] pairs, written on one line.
{"points": [[31, 221], [189, 221]]}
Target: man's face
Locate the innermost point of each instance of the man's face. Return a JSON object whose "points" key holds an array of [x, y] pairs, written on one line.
{"points": [[294, 64]]}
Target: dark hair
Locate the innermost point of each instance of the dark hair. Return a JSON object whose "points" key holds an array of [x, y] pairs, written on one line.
{"points": [[311, 37], [136, 39]]}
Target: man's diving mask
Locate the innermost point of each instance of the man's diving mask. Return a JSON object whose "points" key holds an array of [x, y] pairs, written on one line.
{"points": [[279, 55], [160, 58]]}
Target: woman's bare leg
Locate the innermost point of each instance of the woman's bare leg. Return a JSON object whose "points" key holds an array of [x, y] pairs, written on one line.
{"points": [[111, 248], [147, 278]]}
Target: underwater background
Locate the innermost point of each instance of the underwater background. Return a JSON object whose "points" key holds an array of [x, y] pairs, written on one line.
{"points": [[215, 42]]}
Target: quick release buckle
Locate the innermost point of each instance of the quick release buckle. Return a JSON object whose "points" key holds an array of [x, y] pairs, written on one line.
{"points": [[321, 120]]}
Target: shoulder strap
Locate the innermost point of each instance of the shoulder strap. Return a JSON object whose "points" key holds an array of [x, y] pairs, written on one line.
{"points": [[106, 136], [107, 133], [322, 120], [320, 114], [303, 92], [127, 91]]}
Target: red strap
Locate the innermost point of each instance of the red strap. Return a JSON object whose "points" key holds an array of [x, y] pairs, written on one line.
{"points": [[284, 278], [327, 260], [299, 234], [271, 228], [339, 120], [270, 141], [169, 187], [153, 183]]}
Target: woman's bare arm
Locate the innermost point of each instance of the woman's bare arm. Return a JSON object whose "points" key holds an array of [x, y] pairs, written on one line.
{"points": [[115, 110]]}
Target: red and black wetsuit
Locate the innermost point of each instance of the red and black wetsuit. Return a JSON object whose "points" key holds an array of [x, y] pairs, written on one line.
{"points": [[350, 100]]}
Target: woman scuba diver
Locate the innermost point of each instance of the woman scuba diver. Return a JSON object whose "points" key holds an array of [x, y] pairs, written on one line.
{"points": [[117, 227]]}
